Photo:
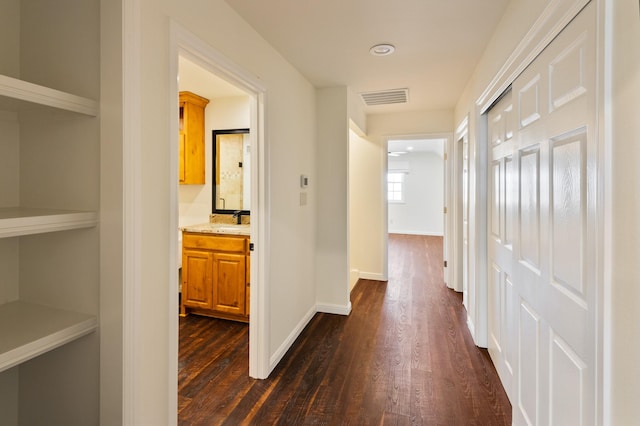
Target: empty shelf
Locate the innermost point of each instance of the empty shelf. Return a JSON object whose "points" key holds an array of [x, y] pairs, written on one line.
{"points": [[13, 89], [18, 221], [28, 330]]}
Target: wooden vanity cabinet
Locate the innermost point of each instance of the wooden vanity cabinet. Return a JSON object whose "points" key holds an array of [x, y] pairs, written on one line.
{"points": [[214, 278], [192, 161]]}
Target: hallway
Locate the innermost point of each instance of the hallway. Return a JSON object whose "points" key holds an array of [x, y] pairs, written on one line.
{"points": [[403, 356]]}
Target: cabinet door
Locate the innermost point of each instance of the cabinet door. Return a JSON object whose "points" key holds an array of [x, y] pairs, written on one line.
{"points": [[192, 120], [182, 165], [229, 283], [197, 268]]}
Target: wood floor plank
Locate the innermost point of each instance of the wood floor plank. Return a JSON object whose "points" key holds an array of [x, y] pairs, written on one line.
{"points": [[404, 356]]}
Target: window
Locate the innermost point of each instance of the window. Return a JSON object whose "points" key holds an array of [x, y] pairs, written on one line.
{"points": [[395, 187]]}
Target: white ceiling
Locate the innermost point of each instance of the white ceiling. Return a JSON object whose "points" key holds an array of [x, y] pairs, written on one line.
{"points": [[438, 43], [400, 146], [196, 79]]}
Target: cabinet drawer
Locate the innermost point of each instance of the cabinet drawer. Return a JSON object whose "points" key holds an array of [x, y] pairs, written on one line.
{"points": [[215, 242]]}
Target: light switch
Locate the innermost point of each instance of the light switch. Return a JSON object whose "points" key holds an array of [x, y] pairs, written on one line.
{"points": [[304, 181]]}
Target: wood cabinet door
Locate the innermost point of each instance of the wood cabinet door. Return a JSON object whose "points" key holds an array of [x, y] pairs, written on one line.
{"points": [[229, 283], [197, 278], [192, 148]]}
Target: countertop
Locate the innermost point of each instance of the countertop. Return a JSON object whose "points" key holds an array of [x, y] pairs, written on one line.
{"points": [[218, 228]]}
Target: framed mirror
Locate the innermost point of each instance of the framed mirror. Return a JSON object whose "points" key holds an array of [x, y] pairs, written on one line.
{"points": [[231, 171]]}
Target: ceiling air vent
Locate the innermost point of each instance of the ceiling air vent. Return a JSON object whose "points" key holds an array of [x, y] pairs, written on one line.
{"points": [[386, 97]]}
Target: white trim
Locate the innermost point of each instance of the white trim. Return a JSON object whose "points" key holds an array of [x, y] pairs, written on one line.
{"points": [[173, 209], [471, 326], [412, 232], [385, 203], [132, 220], [456, 248], [186, 44], [605, 307], [371, 276], [552, 20], [288, 342], [259, 331], [478, 243], [334, 309]]}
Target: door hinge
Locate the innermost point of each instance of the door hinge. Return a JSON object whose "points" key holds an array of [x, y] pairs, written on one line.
{"points": [[445, 210], [445, 263], [251, 247]]}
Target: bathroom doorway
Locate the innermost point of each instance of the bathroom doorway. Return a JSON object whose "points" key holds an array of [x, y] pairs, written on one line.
{"points": [[234, 95]]}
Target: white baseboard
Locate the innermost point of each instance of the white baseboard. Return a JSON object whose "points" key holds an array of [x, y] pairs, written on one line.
{"points": [[288, 342], [334, 309], [372, 276], [472, 328], [284, 347], [413, 232]]}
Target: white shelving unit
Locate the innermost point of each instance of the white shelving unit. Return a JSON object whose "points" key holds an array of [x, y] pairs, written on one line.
{"points": [[49, 203], [27, 329]]}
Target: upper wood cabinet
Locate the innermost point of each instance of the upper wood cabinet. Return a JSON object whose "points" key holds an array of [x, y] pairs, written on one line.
{"points": [[192, 138]]}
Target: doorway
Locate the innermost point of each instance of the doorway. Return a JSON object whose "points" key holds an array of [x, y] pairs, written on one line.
{"points": [[461, 212], [416, 185], [186, 46]]}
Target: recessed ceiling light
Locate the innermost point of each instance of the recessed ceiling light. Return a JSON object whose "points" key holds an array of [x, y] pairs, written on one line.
{"points": [[383, 49], [409, 148]]}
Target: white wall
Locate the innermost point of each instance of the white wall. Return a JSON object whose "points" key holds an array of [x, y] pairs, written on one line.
{"points": [[112, 190], [332, 233], [380, 127], [421, 212], [365, 185], [220, 114], [623, 289], [291, 139]]}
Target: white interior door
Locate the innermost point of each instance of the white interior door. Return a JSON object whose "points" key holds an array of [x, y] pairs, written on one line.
{"points": [[543, 228]]}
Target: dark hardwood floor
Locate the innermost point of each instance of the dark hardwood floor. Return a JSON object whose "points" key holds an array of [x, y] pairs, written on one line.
{"points": [[404, 356]]}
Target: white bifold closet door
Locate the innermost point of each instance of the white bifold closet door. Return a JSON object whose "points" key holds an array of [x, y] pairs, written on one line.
{"points": [[544, 180]]}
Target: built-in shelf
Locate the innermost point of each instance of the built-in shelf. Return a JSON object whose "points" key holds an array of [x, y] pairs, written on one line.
{"points": [[18, 221], [28, 330], [14, 92]]}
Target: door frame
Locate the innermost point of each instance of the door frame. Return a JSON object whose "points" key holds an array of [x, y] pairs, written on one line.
{"points": [[461, 136], [186, 44]]}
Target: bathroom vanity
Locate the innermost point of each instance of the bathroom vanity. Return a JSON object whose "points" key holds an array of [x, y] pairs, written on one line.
{"points": [[215, 271]]}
